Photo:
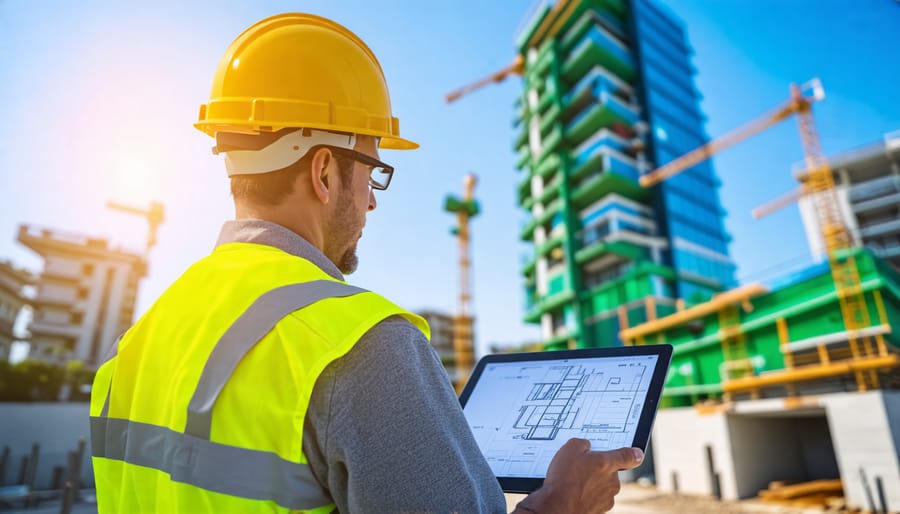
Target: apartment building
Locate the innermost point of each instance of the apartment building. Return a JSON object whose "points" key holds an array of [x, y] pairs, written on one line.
{"points": [[867, 183], [608, 95], [85, 295], [12, 298]]}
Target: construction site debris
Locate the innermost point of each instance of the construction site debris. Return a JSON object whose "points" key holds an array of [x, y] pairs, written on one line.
{"points": [[816, 493]]}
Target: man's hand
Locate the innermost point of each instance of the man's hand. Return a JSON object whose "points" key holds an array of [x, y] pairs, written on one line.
{"points": [[580, 480]]}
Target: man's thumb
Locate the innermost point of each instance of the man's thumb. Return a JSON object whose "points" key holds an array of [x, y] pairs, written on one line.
{"points": [[627, 458]]}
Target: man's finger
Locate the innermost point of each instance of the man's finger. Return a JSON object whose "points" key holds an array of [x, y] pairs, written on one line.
{"points": [[622, 458], [576, 445]]}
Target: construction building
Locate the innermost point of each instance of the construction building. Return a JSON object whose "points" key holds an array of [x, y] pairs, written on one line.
{"points": [[12, 298], [768, 385], [85, 295], [794, 381], [609, 94], [442, 334], [867, 182]]}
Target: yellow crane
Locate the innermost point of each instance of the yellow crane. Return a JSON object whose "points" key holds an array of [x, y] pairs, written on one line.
{"points": [[465, 209], [498, 76], [818, 183], [154, 215], [552, 23]]}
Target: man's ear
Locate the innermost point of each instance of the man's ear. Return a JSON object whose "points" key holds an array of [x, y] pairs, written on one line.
{"points": [[318, 174]]}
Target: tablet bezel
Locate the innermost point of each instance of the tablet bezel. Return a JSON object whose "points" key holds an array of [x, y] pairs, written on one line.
{"points": [[648, 411]]}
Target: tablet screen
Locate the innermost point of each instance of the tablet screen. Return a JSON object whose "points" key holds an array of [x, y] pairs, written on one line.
{"points": [[522, 412]]}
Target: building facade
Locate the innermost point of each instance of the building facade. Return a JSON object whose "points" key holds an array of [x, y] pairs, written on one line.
{"points": [[441, 325], [867, 183], [85, 296], [609, 95], [12, 298], [770, 385]]}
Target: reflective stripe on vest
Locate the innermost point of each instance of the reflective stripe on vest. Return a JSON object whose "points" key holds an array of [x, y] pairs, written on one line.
{"points": [[191, 457]]}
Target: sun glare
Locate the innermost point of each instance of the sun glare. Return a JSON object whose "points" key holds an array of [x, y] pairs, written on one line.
{"points": [[135, 181]]}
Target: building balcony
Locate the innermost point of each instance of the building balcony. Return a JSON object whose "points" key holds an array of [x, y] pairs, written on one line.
{"points": [[523, 157], [545, 98], [885, 249], [609, 16], [523, 191], [872, 205], [528, 262], [880, 227], [547, 246], [41, 329], [549, 118], [603, 183], [548, 165], [560, 340], [603, 155], [59, 303], [527, 233], [520, 108], [521, 140], [549, 143], [613, 243], [551, 191], [607, 111], [590, 86], [543, 60], [527, 203], [871, 189], [547, 304], [53, 293], [598, 46]]}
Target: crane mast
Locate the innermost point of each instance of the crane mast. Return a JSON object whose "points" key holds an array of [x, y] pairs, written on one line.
{"points": [[819, 185], [465, 209]]}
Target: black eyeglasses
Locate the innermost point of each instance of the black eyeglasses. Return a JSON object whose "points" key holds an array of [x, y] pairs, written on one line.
{"points": [[379, 173]]}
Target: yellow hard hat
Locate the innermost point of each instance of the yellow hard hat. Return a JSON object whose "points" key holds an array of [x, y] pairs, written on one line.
{"points": [[301, 70]]}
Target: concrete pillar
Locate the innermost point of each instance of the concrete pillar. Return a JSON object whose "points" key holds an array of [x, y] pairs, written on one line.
{"points": [[692, 453], [865, 428]]}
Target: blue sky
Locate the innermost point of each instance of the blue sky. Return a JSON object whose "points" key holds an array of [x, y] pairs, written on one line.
{"points": [[99, 96]]}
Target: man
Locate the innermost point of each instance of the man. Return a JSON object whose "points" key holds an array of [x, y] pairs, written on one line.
{"points": [[260, 381]]}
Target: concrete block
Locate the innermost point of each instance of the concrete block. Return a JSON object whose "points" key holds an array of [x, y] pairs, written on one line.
{"points": [[692, 453], [865, 428]]}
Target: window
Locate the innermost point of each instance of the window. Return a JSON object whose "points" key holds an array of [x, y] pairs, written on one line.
{"points": [[602, 276], [558, 322]]}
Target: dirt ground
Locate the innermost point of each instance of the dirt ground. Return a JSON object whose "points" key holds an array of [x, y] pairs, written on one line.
{"points": [[633, 499], [638, 499]]}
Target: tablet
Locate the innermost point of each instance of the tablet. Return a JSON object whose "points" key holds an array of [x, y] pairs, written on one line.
{"points": [[522, 407]]}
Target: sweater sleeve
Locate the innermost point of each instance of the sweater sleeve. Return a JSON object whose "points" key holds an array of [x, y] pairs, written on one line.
{"points": [[385, 431]]}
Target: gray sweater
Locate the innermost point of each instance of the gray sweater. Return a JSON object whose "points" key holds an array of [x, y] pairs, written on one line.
{"points": [[384, 431]]}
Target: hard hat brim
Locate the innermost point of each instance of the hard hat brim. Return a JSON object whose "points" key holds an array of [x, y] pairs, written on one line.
{"points": [[397, 143]]}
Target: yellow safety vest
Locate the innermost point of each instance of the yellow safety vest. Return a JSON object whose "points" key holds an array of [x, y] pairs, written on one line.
{"points": [[202, 407]]}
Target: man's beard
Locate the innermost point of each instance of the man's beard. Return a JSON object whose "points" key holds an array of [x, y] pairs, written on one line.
{"points": [[344, 237], [348, 261]]}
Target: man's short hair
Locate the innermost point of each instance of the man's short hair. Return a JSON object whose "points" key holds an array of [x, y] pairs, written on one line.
{"points": [[274, 187]]}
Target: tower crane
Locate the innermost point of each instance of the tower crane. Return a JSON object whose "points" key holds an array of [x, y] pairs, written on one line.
{"points": [[552, 23], [515, 68], [465, 209], [154, 215], [818, 183]]}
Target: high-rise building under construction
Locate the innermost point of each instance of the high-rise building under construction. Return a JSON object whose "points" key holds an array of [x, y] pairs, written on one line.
{"points": [[608, 94], [84, 297]]}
